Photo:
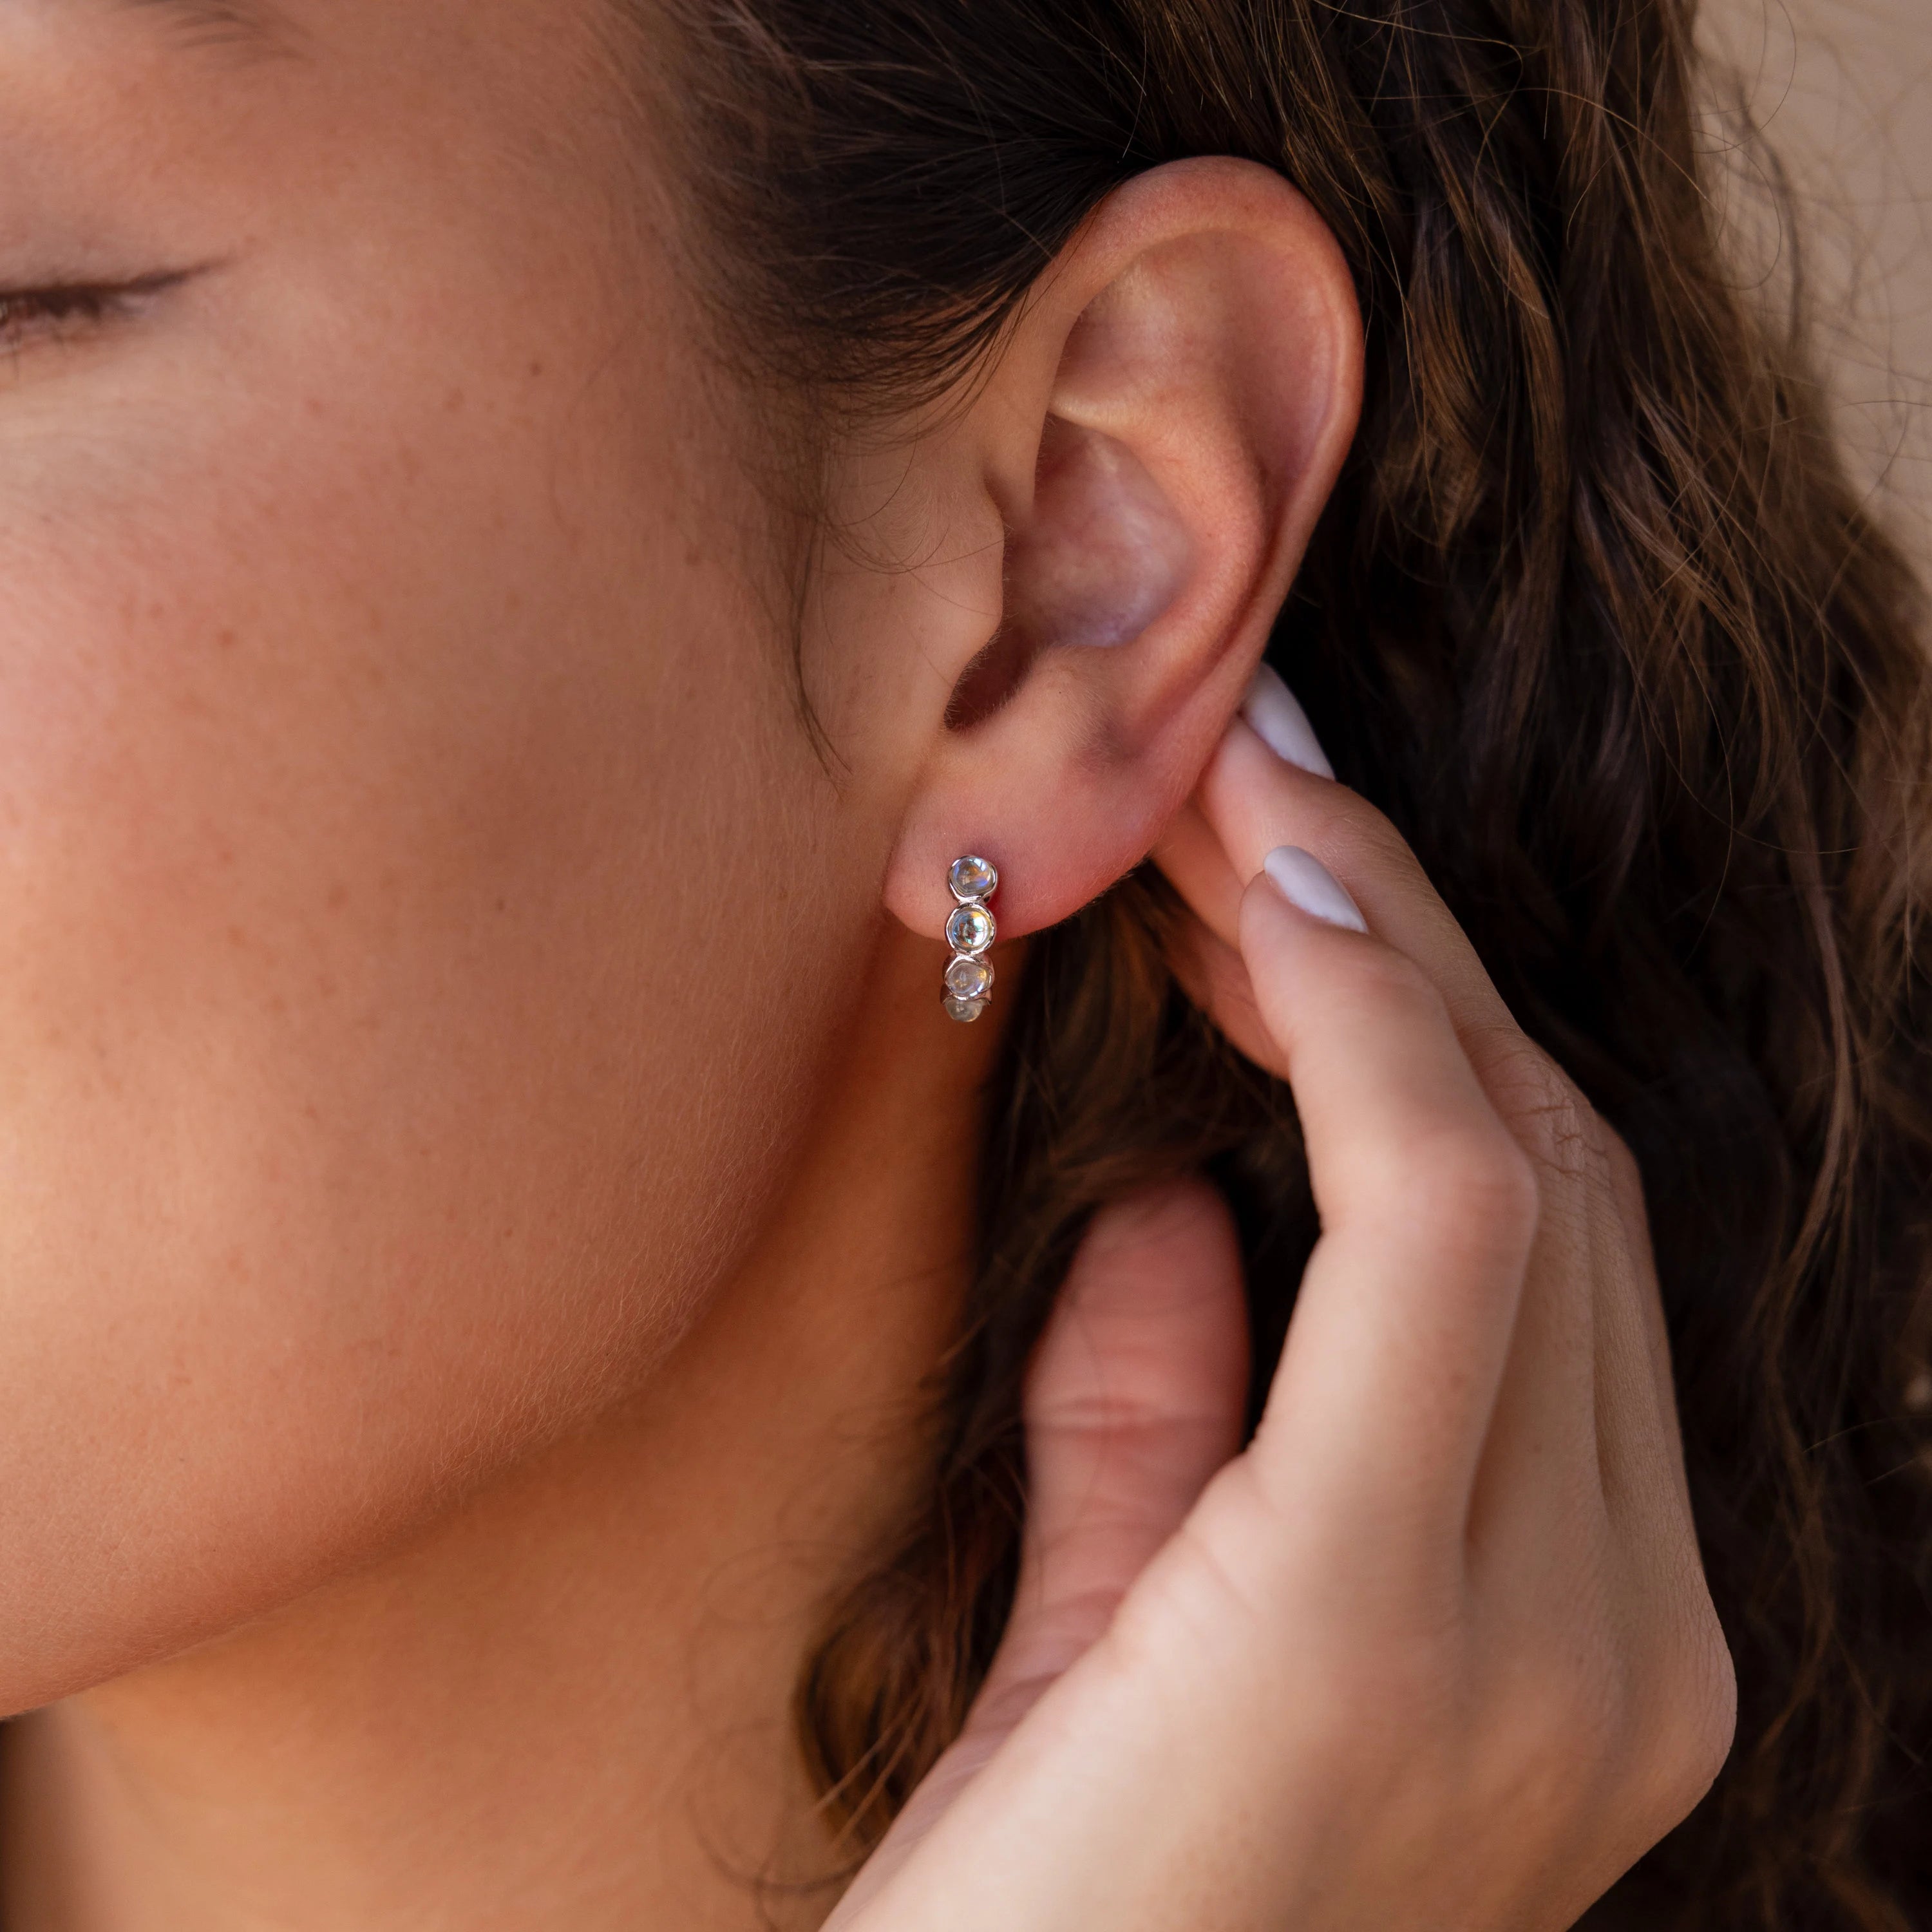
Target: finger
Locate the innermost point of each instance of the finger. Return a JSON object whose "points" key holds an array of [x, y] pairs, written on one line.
{"points": [[1254, 804], [1135, 1399], [1196, 863], [1540, 1495], [1548, 1387], [1641, 1445], [1632, 1215], [1543, 1456], [1215, 978], [1584, 1411], [1583, 1468], [1428, 1208], [1547, 1410]]}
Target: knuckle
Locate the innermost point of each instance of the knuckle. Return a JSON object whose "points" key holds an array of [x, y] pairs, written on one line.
{"points": [[1626, 1176], [1693, 1720], [1623, 1164], [1473, 1185], [1585, 1713], [1658, 1727], [1555, 1747], [1553, 1120]]}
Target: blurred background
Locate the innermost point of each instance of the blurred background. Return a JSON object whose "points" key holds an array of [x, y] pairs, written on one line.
{"points": [[1840, 92]]}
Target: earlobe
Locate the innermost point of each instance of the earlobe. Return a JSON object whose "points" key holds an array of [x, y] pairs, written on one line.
{"points": [[1161, 434]]}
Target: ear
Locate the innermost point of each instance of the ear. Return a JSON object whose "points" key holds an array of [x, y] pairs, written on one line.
{"points": [[1159, 435]]}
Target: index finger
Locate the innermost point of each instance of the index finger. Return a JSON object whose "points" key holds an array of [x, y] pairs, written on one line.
{"points": [[1429, 1208], [1252, 803]]}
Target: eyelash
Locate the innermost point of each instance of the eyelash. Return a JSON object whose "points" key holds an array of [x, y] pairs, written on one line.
{"points": [[28, 316]]}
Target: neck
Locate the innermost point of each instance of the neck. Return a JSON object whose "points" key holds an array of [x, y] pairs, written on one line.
{"points": [[569, 1704]]}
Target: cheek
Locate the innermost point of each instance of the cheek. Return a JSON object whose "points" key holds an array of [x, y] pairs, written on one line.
{"points": [[400, 958]]}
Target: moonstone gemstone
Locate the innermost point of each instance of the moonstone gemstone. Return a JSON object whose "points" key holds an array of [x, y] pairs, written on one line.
{"points": [[965, 1011], [973, 878], [969, 979], [971, 929]]}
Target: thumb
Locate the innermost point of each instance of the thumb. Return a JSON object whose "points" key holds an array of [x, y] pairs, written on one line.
{"points": [[1135, 1399]]}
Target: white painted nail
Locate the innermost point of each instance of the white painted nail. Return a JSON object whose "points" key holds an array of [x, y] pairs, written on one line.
{"points": [[1282, 726], [1304, 881]]}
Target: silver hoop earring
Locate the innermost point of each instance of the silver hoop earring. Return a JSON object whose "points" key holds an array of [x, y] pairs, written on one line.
{"points": [[970, 931]]}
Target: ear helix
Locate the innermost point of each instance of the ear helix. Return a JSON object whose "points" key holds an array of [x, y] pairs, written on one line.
{"points": [[971, 931]]}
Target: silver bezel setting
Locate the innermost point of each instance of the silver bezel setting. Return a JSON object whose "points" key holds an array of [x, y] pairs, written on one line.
{"points": [[972, 881], [967, 914], [976, 887]]}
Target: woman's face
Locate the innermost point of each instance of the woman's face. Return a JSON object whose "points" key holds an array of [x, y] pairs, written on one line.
{"points": [[420, 902]]}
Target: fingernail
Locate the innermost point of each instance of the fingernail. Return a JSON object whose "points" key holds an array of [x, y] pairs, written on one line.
{"points": [[1282, 726], [1304, 881]]}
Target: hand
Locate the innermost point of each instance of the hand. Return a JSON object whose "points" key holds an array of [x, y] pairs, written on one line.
{"points": [[1435, 1651]]}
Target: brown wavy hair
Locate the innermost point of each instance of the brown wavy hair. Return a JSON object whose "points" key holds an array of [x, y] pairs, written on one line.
{"points": [[1596, 616]]}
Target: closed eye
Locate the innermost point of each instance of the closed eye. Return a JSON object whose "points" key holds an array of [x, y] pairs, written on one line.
{"points": [[64, 311]]}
